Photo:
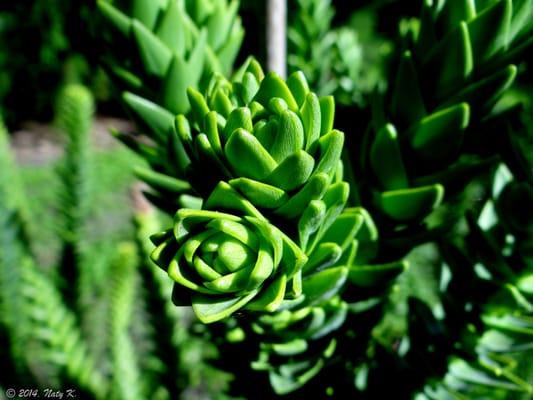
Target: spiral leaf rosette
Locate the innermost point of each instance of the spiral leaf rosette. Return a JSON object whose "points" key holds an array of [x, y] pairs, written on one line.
{"points": [[223, 263], [271, 140]]}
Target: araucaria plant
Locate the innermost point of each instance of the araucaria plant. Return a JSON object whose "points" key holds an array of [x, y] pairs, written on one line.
{"points": [[392, 259], [297, 257]]}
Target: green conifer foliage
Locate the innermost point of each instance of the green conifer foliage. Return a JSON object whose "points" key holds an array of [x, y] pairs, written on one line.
{"points": [[436, 128], [159, 49], [304, 269]]}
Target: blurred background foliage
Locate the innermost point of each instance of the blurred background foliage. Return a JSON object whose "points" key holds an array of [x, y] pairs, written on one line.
{"points": [[47, 43], [81, 225]]}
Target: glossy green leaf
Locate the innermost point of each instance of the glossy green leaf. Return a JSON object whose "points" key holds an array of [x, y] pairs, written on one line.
{"points": [[162, 181], [484, 93], [230, 283], [275, 238], [277, 106], [313, 190], [260, 194], [368, 231], [163, 254], [324, 284], [327, 114], [293, 347], [118, 19], [311, 119], [155, 56], [407, 103], [323, 256], [296, 282], [197, 58], [386, 159], [289, 138], [212, 133], [170, 30], [522, 14], [440, 135], [286, 384], [175, 85], [310, 221], [220, 21], [298, 86], [248, 88], [204, 271], [333, 323], [330, 151], [189, 201], [450, 63], [490, 29], [372, 275], [525, 284], [294, 259], [183, 131], [510, 323], [247, 156], [145, 11], [255, 69], [343, 229], [198, 105], [293, 172], [177, 155], [454, 11], [229, 51], [271, 297], [264, 266], [212, 309], [179, 273], [408, 204], [210, 157], [265, 132], [239, 118], [226, 198], [131, 81], [273, 86], [463, 371], [221, 103], [158, 120]]}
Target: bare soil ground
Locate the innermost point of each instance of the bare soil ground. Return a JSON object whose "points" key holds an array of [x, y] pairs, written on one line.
{"points": [[38, 143]]}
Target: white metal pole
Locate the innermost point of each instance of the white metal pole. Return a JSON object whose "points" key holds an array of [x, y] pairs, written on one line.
{"points": [[276, 36]]}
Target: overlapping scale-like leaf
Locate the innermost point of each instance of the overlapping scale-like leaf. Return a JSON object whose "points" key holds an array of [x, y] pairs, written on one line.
{"points": [[499, 349], [272, 141], [159, 49], [172, 48], [458, 63], [299, 339], [297, 343]]}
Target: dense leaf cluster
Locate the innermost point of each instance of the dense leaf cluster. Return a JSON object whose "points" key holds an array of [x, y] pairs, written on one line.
{"points": [[402, 268]]}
